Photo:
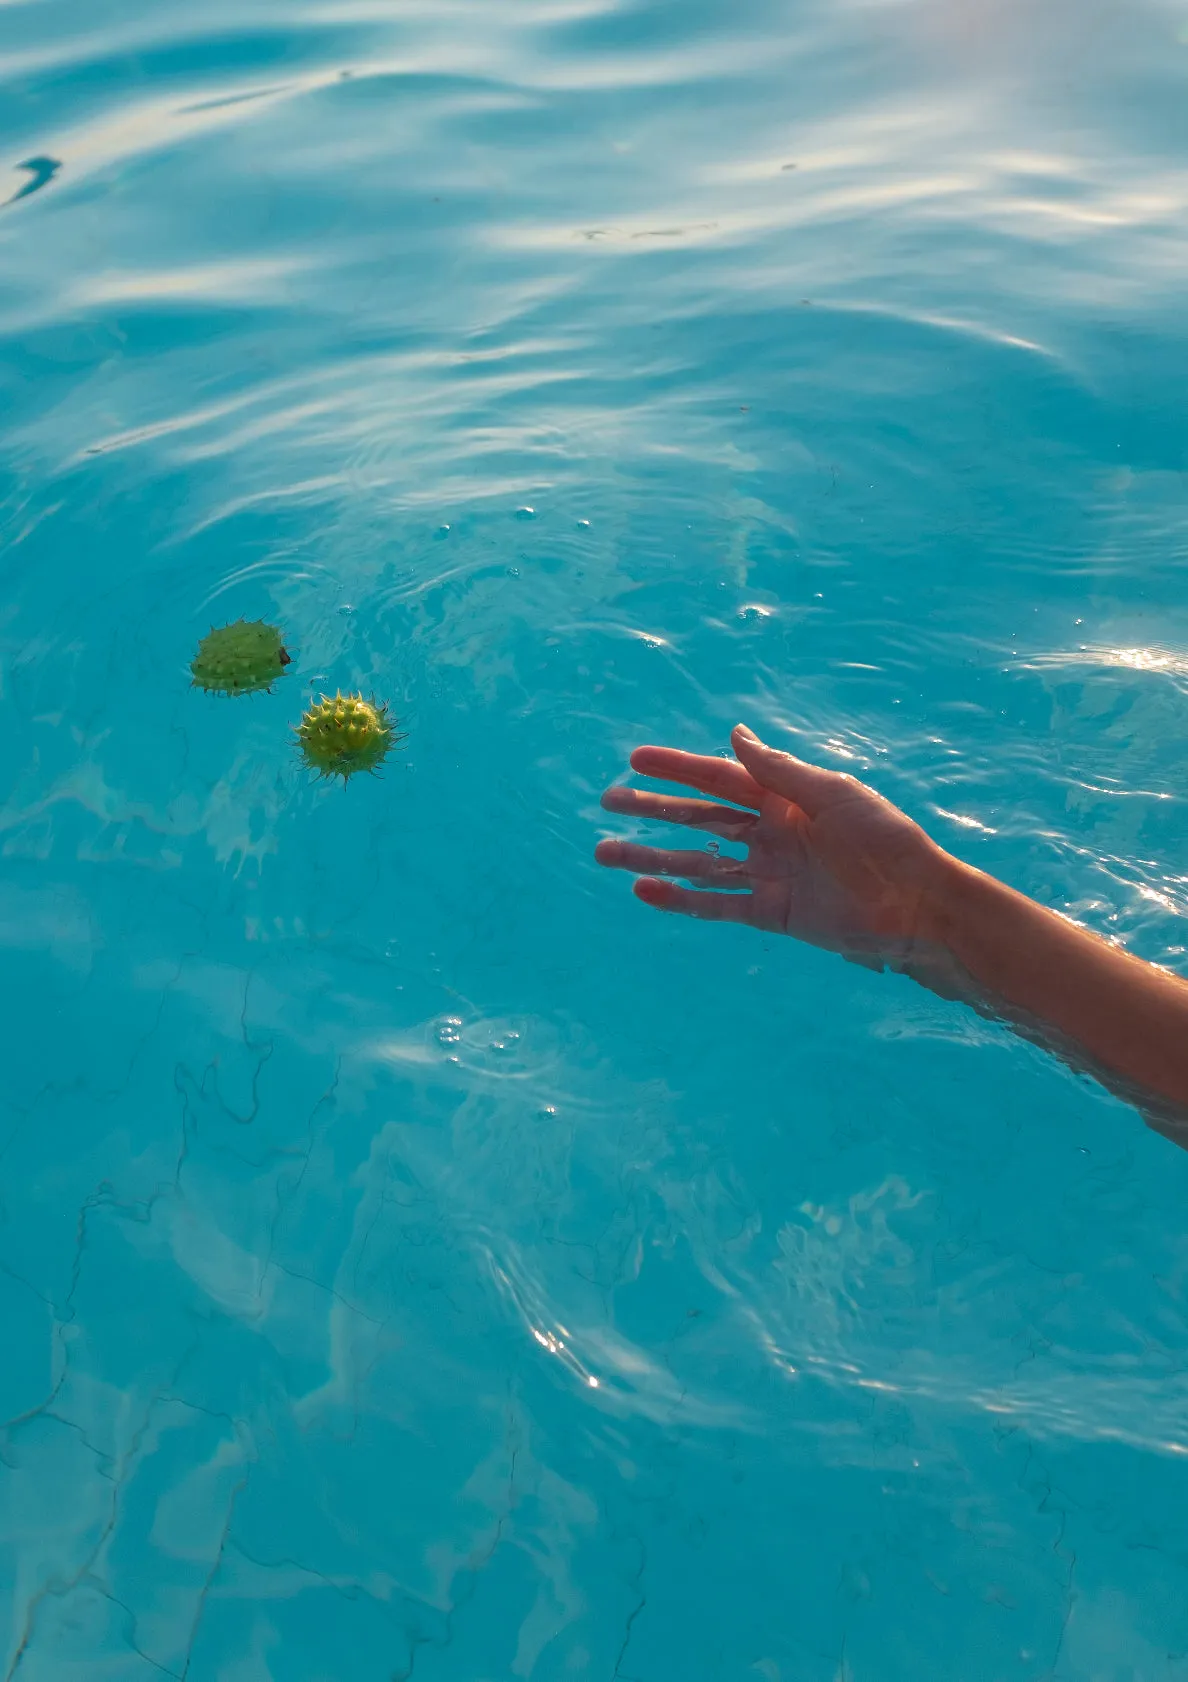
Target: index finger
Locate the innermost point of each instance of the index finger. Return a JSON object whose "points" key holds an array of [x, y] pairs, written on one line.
{"points": [[724, 777]]}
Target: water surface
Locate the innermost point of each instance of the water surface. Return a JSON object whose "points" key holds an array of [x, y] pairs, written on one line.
{"points": [[416, 1257]]}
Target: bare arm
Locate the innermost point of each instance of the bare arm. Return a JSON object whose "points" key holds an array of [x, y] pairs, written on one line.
{"points": [[1128, 1018], [831, 862]]}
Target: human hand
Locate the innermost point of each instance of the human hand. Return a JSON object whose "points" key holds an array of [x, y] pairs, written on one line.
{"points": [[828, 860]]}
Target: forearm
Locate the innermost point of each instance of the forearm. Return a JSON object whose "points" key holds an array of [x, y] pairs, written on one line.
{"points": [[1129, 1018]]}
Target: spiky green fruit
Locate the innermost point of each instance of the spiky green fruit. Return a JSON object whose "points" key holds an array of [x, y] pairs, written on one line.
{"points": [[237, 659], [347, 734]]}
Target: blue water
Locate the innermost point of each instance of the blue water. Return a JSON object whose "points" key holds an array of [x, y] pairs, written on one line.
{"points": [[416, 1256]]}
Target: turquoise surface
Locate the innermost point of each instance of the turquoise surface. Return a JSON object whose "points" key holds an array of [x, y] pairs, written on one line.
{"points": [[416, 1257]]}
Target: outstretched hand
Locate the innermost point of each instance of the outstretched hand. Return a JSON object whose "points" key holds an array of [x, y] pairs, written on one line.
{"points": [[831, 862], [828, 860]]}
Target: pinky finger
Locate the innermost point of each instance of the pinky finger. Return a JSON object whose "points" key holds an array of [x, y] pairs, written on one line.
{"points": [[710, 907]]}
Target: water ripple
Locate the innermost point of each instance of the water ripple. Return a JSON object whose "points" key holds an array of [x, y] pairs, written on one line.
{"points": [[407, 1247]]}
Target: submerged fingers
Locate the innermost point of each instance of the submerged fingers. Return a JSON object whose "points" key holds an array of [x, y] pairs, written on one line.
{"points": [[725, 778], [727, 821], [710, 907], [673, 861]]}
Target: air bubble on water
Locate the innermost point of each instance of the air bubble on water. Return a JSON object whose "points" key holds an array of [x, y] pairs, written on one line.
{"points": [[714, 848], [442, 531], [449, 1032], [525, 513], [585, 524], [513, 572]]}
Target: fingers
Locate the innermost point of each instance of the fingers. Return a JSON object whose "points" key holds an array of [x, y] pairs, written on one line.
{"points": [[725, 778], [726, 821], [711, 908], [672, 861], [810, 787]]}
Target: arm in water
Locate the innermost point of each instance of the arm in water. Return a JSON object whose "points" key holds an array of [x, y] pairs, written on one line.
{"points": [[833, 863]]}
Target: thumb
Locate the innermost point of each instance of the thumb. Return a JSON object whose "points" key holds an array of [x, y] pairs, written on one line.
{"points": [[808, 786]]}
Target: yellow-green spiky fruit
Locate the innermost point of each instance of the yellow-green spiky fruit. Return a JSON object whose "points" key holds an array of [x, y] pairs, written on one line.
{"points": [[347, 734], [237, 659]]}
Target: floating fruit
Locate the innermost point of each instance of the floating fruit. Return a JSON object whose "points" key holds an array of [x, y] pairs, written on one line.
{"points": [[347, 734], [237, 659]]}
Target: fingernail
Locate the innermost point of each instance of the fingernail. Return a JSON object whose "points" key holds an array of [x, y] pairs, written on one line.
{"points": [[741, 730]]}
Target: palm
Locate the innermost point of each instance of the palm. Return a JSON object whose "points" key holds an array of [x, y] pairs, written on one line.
{"points": [[837, 865]]}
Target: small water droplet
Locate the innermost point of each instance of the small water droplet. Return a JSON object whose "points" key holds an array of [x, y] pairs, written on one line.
{"points": [[585, 524], [525, 513], [442, 531], [347, 607]]}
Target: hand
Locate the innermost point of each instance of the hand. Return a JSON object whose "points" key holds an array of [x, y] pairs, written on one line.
{"points": [[828, 860]]}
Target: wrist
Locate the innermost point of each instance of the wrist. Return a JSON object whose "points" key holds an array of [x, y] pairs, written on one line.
{"points": [[977, 938], [949, 887], [936, 955]]}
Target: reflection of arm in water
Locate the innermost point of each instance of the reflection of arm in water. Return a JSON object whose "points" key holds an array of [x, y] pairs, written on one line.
{"points": [[833, 863]]}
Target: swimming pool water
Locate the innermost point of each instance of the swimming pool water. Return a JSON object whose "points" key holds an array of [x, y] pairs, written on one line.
{"points": [[416, 1257]]}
